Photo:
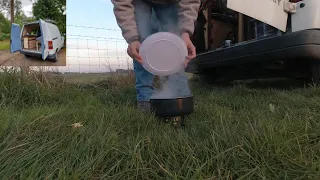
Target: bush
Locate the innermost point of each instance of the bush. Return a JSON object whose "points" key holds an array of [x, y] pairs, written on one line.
{"points": [[4, 36], [5, 24]]}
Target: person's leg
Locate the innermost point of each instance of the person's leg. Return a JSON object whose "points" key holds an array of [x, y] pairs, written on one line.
{"points": [[167, 16], [154, 22], [144, 79], [168, 22]]}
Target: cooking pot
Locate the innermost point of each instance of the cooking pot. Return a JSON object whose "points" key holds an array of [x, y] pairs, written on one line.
{"points": [[174, 107]]}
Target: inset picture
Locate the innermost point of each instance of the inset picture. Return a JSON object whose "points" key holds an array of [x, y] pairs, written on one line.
{"points": [[33, 36]]}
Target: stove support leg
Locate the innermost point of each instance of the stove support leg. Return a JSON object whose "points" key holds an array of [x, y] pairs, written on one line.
{"points": [[177, 121]]}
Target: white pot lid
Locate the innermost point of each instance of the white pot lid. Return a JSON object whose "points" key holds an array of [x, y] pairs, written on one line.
{"points": [[163, 53]]}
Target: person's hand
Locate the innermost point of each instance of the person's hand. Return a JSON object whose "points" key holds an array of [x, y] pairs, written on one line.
{"points": [[191, 48], [133, 51]]}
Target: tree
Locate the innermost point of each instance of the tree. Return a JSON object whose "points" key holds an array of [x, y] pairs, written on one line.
{"points": [[4, 24], [21, 19], [5, 7], [51, 9]]}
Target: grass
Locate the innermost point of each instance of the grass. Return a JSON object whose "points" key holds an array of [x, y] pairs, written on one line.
{"points": [[5, 45], [239, 132], [88, 77]]}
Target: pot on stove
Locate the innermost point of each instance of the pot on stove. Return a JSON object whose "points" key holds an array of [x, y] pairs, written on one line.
{"points": [[172, 107]]}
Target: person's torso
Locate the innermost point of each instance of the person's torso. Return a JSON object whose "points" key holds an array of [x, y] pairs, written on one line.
{"points": [[163, 2]]}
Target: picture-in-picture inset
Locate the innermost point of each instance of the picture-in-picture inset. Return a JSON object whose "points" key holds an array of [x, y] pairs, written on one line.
{"points": [[32, 35]]}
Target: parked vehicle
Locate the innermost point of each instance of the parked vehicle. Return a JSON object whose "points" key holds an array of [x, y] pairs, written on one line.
{"points": [[238, 45], [41, 38]]}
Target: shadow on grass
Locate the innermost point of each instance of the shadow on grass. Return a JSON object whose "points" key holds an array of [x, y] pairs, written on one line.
{"points": [[277, 84]]}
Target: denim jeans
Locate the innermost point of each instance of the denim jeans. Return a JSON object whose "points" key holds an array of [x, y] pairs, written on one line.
{"points": [[151, 18]]}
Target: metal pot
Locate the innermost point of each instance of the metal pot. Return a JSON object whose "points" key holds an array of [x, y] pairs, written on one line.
{"points": [[180, 106]]}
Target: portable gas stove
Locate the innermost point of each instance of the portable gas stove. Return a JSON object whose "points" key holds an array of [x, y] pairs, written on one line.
{"points": [[173, 110], [177, 121]]}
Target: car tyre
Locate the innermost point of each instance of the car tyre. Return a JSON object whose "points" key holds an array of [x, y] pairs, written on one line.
{"points": [[211, 79], [315, 70], [55, 57]]}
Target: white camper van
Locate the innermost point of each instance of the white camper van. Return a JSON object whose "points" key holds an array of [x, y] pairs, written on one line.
{"points": [[41, 38], [257, 39]]}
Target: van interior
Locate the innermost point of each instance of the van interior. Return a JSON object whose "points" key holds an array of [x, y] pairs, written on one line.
{"points": [[31, 37]]}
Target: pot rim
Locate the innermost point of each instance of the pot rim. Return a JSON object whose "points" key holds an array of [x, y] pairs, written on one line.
{"points": [[176, 98]]}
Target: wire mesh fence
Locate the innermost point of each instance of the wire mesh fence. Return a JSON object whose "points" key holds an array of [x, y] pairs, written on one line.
{"points": [[93, 50]]}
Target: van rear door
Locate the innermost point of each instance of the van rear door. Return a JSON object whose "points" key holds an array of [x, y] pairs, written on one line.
{"points": [[44, 39], [15, 39]]}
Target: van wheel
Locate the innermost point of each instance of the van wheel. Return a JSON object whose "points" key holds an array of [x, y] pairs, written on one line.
{"points": [[315, 69], [206, 79], [211, 77], [55, 57], [27, 56], [212, 80]]}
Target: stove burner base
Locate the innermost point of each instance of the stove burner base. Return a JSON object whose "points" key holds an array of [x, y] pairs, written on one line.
{"points": [[177, 121]]}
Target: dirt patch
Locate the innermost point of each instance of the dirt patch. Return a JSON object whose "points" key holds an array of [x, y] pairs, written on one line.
{"points": [[18, 59]]}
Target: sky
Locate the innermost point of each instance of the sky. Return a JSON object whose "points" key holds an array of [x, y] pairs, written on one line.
{"points": [[91, 49], [27, 7]]}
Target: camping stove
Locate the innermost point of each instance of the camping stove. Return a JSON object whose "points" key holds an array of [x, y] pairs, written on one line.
{"points": [[177, 121]]}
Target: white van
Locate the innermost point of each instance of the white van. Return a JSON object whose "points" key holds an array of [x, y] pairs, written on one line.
{"points": [[41, 38]]}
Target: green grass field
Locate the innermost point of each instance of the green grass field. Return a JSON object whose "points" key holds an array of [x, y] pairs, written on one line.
{"points": [[5, 45], [244, 131]]}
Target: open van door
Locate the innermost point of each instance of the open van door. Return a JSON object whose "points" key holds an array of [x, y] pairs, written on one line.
{"points": [[44, 39], [15, 39]]}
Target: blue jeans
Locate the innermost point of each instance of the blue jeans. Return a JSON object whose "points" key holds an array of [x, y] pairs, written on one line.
{"points": [[151, 18]]}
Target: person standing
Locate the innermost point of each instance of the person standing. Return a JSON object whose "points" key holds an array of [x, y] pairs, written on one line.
{"points": [[135, 18]]}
